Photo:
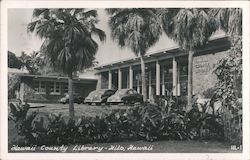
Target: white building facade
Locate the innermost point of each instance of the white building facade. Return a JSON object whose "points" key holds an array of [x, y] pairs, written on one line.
{"points": [[166, 70]]}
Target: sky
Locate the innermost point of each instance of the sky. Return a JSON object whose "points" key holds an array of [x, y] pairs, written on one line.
{"points": [[20, 40]]}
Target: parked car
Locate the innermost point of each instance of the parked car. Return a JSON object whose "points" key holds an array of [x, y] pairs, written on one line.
{"points": [[99, 96], [77, 99], [126, 96]]}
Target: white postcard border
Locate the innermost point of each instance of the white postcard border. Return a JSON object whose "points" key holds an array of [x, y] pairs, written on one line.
{"points": [[112, 4]]}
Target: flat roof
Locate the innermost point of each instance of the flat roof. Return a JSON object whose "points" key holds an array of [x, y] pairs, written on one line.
{"points": [[56, 77], [168, 51]]}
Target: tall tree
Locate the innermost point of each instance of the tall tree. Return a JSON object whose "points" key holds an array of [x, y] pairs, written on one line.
{"points": [[13, 61], [229, 20], [138, 29], [68, 42], [191, 29], [32, 62]]}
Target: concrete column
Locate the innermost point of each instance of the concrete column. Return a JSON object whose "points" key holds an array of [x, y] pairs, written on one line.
{"points": [[138, 83], [149, 84], [21, 93], [163, 81], [130, 77], [110, 80], [119, 78], [178, 81], [99, 81], [175, 77], [158, 72]]}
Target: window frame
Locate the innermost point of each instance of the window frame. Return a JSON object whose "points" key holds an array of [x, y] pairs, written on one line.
{"points": [[54, 92], [39, 90]]}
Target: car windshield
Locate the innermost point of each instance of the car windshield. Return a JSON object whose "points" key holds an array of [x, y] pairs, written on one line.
{"points": [[121, 92], [67, 95], [96, 92]]}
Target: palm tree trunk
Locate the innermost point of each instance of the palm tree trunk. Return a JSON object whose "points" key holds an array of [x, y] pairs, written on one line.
{"points": [[71, 99], [143, 79], [190, 80]]}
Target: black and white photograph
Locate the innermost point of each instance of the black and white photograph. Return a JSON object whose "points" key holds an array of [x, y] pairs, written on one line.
{"points": [[123, 79]]}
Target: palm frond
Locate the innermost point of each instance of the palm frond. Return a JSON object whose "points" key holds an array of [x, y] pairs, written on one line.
{"points": [[68, 44], [235, 21], [136, 28], [190, 28], [90, 13], [32, 25], [40, 12], [228, 19], [100, 33]]}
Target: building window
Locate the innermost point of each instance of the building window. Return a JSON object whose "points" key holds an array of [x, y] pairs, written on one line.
{"points": [[36, 86], [167, 76], [66, 89], [39, 87], [55, 88]]}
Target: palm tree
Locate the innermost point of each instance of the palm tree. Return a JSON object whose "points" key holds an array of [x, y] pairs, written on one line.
{"points": [[138, 29], [191, 29], [229, 19], [68, 42]]}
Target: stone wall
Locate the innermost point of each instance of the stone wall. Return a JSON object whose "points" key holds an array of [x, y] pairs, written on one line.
{"points": [[203, 66]]}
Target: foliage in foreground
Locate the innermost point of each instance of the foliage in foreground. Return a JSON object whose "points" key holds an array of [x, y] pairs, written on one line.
{"points": [[142, 122], [13, 85], [229, 90]]}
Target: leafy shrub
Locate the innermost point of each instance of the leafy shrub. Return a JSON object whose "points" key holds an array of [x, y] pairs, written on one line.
{"points": [[13, 85], [149, 122], [229, 89], [204, 125], [23, 122], [209, 93]]}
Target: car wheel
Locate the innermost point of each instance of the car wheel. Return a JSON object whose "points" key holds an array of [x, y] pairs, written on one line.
{"points": [[126, 102]]}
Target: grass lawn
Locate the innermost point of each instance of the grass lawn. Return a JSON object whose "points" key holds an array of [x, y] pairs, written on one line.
{"points": [[121, 147]]}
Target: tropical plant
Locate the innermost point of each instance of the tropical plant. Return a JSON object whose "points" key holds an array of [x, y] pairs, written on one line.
{"points": [[138, 29], [204, 124], [14, 82], [229, 73], [191, 29], [18, 113], [229, 88], [229, 19], [32, 62], [13, 61], [147, 122], [68, 42]]}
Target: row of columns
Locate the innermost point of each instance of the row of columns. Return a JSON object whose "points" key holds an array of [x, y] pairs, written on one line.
{"points": [[159, 73], [120, 78]]}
